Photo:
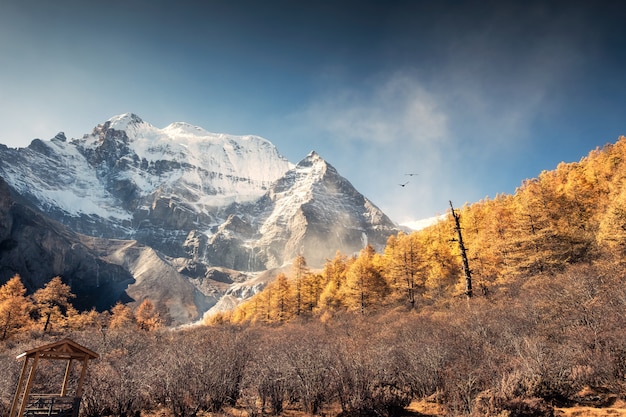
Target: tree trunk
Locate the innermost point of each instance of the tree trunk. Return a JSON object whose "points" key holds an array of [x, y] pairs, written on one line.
{"points": [[466, 269]]}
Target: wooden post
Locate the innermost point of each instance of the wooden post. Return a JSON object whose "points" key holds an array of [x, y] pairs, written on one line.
{"points": [[68, 368], [83, 372], [18, 390], [466, 269], [29, 384]]}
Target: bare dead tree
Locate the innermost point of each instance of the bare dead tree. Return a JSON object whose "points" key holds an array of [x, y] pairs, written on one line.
{"points": [[466, 269]]}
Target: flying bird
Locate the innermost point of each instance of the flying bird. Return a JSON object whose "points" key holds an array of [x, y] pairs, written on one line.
{"points": [[410, 175], [402, 185]]}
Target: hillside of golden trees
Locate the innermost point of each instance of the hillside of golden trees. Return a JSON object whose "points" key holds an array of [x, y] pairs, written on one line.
{"points": [[543, 328], [575, 214]]}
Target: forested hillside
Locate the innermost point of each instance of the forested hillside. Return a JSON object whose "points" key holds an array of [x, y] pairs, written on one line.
{"points": [[575, 214], [543, 326]]}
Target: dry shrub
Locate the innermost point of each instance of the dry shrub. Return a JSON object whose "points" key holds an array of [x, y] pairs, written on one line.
{"points": [[595, 397], [490, 404], [390, 398], [519, 383], [372, 371]]}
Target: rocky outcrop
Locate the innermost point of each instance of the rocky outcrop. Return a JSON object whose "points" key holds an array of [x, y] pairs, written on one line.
{"points": [[38, 248]]}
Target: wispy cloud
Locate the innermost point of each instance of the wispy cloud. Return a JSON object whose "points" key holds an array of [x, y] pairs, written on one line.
{"points": [[394, 109], [380, 132], [451, 131]]}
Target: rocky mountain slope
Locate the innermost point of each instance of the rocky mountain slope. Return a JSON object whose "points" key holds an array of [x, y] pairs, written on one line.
{"points": [[38, 248], [186, 216]]}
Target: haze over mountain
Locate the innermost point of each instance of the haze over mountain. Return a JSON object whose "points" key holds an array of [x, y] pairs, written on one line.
{"points": [[186, 213]]}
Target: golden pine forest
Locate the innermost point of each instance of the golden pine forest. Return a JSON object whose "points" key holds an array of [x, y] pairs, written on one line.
{"points": [[542, 330]]}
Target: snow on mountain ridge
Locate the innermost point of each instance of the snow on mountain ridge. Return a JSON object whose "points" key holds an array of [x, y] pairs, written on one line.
{"points": [[215, 169], [314, 210], [187, 128], [293, 190], [58, 176], [247, 156], [123, 121]]}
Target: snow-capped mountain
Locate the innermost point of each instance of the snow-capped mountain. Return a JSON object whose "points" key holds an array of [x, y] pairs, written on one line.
{"points": [[335, 214], [127, 170], [201, 201]]}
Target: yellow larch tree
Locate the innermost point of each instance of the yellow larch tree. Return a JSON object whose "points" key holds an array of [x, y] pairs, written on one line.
{"points": [[393, 270], [611, 235], [283, 298], [404, 268], [442, 266], [83, 320], [241, 313], [532, 239], [334, 274], [299, 271], [147, 316], [490, 253], [366, 287], [478, 246], [52, 302], [579, 198], [221, 317], [15, 308], [122, 317], [265, 300], [312, 286]]}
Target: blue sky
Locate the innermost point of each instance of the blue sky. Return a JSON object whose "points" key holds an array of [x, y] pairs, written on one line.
{"points": [[473, 96]]}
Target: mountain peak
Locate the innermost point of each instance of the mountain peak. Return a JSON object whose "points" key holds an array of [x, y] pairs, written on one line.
{"points": [[122, 121], [60, 137], [186, 129], [313, 158]]}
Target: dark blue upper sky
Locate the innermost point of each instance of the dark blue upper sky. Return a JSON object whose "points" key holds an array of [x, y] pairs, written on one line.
{"points": [[473, 96]]}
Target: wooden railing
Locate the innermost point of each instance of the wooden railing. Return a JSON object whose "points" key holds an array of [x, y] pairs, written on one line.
{"points": [[51, 406]]}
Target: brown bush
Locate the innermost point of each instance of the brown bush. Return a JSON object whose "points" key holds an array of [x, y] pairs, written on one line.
{"points": [[490, 404]]}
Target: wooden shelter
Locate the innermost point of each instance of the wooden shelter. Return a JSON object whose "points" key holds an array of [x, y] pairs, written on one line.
{"points": [[52, 404]]}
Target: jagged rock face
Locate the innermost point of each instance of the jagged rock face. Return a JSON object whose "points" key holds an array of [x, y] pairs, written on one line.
{"points": [[200, 200], [232, 246], [38, 249], [314, 211], [100, 272], [6, 220]]}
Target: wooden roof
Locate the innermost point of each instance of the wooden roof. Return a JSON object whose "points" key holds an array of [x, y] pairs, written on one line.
{"points": [[63, 349]]}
